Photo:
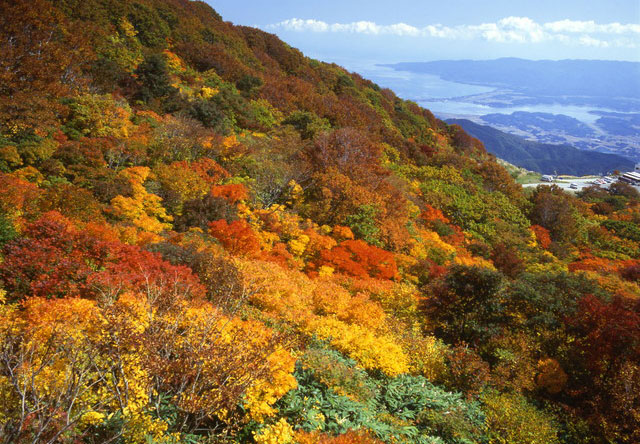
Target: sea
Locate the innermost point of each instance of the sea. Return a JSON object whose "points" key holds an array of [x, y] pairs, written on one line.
{"points": [[446, 99]]}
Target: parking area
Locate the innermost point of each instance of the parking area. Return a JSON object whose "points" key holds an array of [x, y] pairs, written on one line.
{"points": [[580, 183]]}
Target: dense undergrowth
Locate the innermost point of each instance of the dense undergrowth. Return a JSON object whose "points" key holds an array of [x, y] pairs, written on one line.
{"points": [[208, 237]]}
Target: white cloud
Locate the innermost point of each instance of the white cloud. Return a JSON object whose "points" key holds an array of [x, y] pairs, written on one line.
{"points": [[404, 29], [506, 30], [586, 40], [362, 27], [302, 25], [358, 28], [591, 27]]}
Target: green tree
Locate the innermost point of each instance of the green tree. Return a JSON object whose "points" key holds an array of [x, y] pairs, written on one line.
{"points": [[554, 209], [465, 305], [155, 83], [363, 224]]}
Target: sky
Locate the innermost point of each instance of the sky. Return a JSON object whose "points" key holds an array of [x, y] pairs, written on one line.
{"points": [[422, 30]]}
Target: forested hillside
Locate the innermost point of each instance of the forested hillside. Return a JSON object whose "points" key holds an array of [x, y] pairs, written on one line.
{"points": [[206, 236], [544, 158]]}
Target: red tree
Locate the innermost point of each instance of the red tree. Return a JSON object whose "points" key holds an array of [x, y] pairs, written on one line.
{"points": [[357, 258], [53, 259], [237, 237]]}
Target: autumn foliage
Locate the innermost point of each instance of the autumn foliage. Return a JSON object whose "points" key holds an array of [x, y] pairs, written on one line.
{"points": [[237, 237], [232, 193], [356, 258], [206, 236], [542, 236]]}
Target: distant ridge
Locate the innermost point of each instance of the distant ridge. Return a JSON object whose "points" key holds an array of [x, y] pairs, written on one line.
{"points": [[543, 157]]}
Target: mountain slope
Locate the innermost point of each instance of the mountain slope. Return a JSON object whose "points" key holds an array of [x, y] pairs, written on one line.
{"points": [[207, 237], [542, 157]]}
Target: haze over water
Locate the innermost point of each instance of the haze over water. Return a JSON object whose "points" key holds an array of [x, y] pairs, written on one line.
{"points": [[446, 99]]}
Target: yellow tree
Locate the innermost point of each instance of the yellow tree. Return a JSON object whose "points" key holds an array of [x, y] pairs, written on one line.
{"points": [[69, 366], [143, 209]]}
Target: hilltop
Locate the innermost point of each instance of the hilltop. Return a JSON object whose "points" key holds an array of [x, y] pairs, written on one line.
{"points": [[208, 237]]}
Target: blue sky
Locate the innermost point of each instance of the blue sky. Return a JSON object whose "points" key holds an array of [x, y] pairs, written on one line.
{"points": [[414, 30]]}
